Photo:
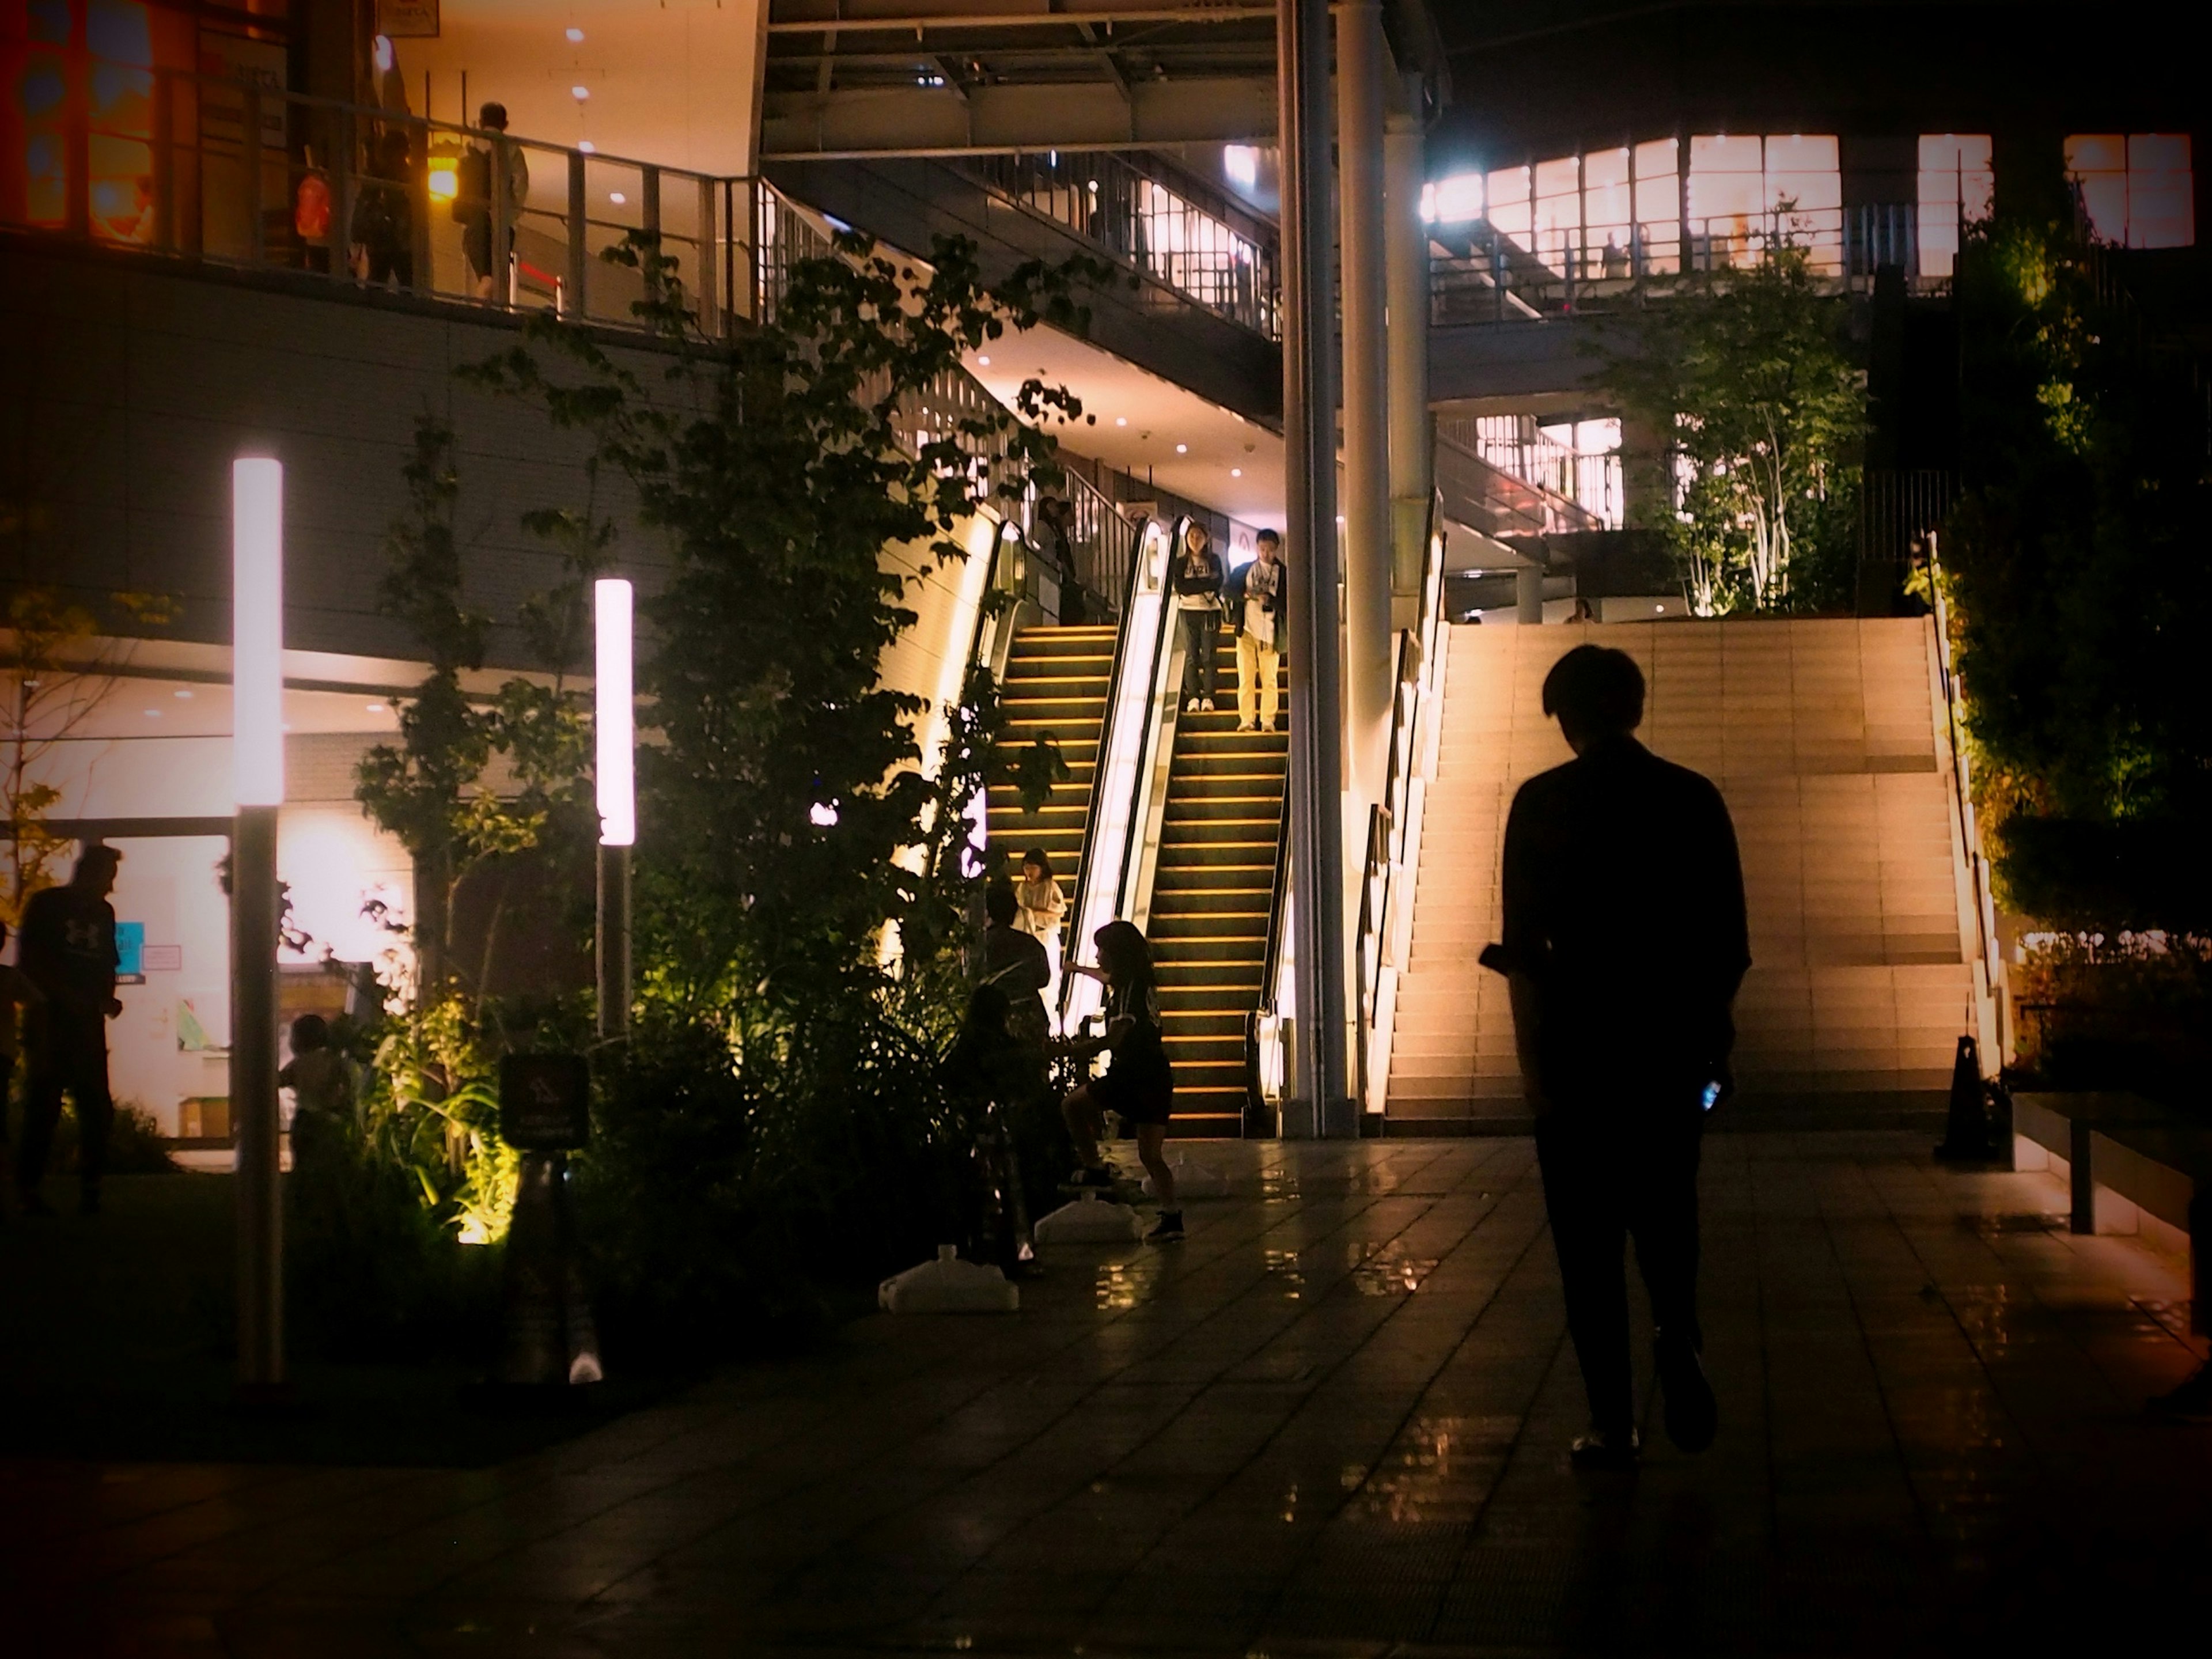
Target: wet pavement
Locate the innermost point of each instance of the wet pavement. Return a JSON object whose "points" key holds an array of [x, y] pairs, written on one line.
{"points": [[1333, 1421]]}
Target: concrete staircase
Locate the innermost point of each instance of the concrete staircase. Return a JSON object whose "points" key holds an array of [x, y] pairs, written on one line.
{"points": [[1821, 735], [1056, 686], [1211, 895]]}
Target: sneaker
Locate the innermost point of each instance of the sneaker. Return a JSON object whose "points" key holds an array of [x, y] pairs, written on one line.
{"points": [[1205, 704], [1693, 1416], [1169, 1230], [1247, 725], [1190, 706], [1597, 1450], [2190, 1403]]}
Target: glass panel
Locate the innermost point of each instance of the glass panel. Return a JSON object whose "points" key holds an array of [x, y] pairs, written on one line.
{"points": [[1955, 184], [1559, 214], [2161, 191], [1658, 206], [1728, 199], [1607, 221], [1507, 192], [1456, 200], [1802, 170], [2097, 163]]}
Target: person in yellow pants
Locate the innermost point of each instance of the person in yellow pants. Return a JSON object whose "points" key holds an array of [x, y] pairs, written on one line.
{"points": [[1253, 596]]}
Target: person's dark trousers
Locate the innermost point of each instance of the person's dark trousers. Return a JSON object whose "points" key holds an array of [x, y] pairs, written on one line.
{"points": [[74, 1058], [1201, 633], [1613, 1170]]}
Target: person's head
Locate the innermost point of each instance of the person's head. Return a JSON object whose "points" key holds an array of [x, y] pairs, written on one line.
{"points": [[493, 117], [309, 1033], [1268, 545], [999, 904], [1595, 693], [95, 870], [1196, 537], [1035, 867], [1122, 953]]}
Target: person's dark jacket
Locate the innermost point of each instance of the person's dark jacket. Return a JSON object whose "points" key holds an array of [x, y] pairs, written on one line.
{"points": [[1624, 903], [1203, 582], [1278, 606], [67, 949]]}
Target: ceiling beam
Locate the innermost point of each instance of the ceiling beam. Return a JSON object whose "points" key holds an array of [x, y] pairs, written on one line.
{"points": [[1005, 118], [1018, 19]]}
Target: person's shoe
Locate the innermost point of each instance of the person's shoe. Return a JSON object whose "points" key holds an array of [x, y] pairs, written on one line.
{"points": [[1693, 1416], [1600, 1450], [2190, 1403], [1205, 704], [1169, 1230], [1190, 705], [1247, 725], [33, 1204]]}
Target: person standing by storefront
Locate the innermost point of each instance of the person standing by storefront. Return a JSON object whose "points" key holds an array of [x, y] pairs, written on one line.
{"points": [[67, 951], [1254, 597], [1197, 582], [472, 203]]}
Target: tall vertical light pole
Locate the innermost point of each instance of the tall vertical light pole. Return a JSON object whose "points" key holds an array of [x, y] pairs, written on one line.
{"points": [[613, 728], [257, 672], [1316, 1099]]}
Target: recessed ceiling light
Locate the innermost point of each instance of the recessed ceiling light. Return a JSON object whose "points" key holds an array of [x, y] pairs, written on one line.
{"points": [[1236, 471], [182, 695], [1182, 449], [1120, 420], [152, 714], [579, 92], [376, 708], [986, 361], [616, 198], [576, 35], [586, 146]]}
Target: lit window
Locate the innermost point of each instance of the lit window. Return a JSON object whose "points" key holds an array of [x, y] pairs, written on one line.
{"points": [[1955, 186], [1506, 190], [1607, 231], [1456, 200], [1659, 205], [1242, 163], [1558, 220], [1738, 189], [2136, 189]]}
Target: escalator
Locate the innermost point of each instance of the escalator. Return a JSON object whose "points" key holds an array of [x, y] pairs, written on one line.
{"points": [[1055, 686]]}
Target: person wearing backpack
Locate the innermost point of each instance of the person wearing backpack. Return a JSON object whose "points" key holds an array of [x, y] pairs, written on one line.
{"points": [[383, 229], [472, 200]]}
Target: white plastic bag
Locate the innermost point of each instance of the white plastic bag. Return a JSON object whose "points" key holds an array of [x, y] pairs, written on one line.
{"points": [[948, 1284], [1089, 1220]]}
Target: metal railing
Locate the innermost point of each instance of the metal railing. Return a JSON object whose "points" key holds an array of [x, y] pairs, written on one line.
{"points": [[1490, 274], [1177, 233], [1384, 938]]}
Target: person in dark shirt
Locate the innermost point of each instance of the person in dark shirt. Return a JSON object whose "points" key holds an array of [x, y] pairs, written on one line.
{"points": [[1015, 961], [1139, 1086], [67, 951], [1626, 941], [1196, 576]]}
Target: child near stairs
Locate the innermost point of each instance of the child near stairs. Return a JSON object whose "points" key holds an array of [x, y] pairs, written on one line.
{"points": [[1139, 1085]]}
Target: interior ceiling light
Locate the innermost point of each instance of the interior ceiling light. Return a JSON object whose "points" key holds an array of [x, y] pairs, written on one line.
{"points": [[576, 36], [986, 361], [616, 198], [1236, 471], [1120, 420], [181, 695], [1182, 449], [580, 92], [586, 146]]}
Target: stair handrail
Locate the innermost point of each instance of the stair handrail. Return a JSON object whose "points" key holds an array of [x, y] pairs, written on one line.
{"points": [[1393, 827], [1991, 984], [1125, 742]]}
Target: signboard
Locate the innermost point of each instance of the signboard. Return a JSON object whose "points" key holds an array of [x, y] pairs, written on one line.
{"points": [[544, 1102], [129, 953], [407, 20]]}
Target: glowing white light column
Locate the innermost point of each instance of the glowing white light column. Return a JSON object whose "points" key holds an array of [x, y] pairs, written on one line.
{"points": [[257, 692], [614, 729]]}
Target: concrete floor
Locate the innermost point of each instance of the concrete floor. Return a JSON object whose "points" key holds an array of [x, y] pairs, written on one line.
{"points": [[1333, 1421]]}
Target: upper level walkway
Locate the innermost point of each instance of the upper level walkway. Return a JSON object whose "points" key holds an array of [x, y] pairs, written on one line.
{"points": [[1335, 1419]]}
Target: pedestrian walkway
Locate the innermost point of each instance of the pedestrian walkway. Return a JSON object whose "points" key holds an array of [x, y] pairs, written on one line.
{"points": [[1334, 1420]]}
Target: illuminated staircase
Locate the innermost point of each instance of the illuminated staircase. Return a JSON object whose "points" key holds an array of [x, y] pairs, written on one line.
{"points": [[1056, 685], [1211, 890]]}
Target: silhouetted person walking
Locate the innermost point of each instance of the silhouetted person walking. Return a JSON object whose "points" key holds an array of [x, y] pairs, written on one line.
{"points": [[67, 949], [1625, 943]]}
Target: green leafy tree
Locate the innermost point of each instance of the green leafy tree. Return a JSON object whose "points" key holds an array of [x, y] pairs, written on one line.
{"points": [[2080, 581], [1748, 372]]}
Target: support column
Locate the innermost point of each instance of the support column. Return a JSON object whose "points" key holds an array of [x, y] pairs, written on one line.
{"points": [[1317, 1100], [613, 942], [1360, 139], [260, 1210], [1405, 269]]}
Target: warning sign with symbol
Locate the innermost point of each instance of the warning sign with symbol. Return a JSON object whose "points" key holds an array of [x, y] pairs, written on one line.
{"points": [[544, 1102]]}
